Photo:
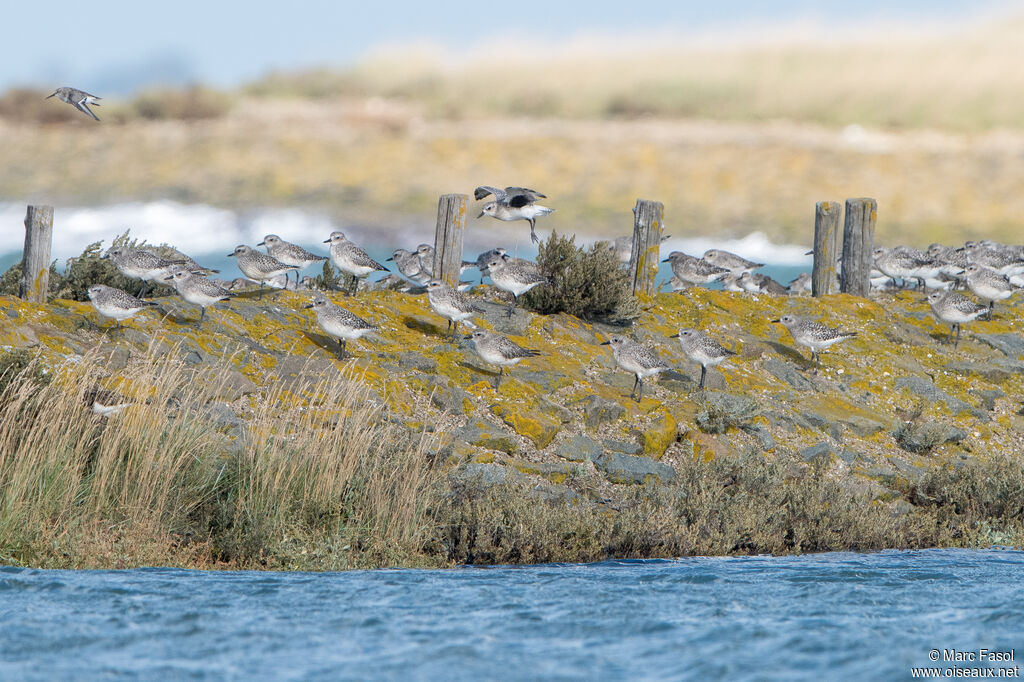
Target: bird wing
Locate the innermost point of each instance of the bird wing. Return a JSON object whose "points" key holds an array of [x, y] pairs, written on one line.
{"points": [[522, 196], [483, 190], [360, 257], [83, 106], [511, 349]]}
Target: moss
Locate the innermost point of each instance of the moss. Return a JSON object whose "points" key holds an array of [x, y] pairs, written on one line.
{"points": [[659, 434]]}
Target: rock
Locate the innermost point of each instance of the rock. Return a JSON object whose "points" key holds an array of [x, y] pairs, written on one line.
{"points": [[764, 439], [233, 385], [723, 411], [929, 391], [117, 359], [619, 468], [484, 435], [661, 433], [532, 424], [819, 453], [1010, 344], [677, 382], [446, 396], [849, 456], [486, 475], [622, 446], [786, 372], [413, 360], [997, 371], [987, 397], [598, 410], [556, 472], [834, 412], [549, 381], [580, 448], [555, 410]]}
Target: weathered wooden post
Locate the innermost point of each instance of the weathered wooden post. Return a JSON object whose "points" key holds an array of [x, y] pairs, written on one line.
{"points": [[451, 224], [35, 261], [645, 256], [858, 243], [826, 242]]}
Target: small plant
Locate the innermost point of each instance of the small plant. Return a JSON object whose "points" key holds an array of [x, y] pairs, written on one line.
{"points": [[10, 281], [921, 437], [723, 411], [19, 366], [587, 283], [328, 280]]}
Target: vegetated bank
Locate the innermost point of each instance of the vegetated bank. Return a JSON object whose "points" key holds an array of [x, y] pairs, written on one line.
{"points": [[247, 444]]}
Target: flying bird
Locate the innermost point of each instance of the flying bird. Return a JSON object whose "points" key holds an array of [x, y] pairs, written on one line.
{"points": [[79, 99], [513, 203]]}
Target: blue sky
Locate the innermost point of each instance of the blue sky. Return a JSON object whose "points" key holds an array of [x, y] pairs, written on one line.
{"points": [[115, 46]]}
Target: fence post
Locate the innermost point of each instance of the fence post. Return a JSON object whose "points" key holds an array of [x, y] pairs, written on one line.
{"points": [[858, 243], [826, 240], [451, 224], [644, 258], [35, 261]]}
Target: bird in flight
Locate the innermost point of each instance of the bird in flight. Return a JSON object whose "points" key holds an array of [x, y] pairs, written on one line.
{"points": [[79, 99], [513, 203]]}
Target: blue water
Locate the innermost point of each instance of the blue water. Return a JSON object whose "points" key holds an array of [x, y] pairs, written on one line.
{"points": [[829, 616]]}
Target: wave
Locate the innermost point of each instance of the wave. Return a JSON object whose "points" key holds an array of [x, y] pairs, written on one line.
{"points": [[199, 229]]}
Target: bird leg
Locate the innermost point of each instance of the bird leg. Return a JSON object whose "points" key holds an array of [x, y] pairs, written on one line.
{"points": [[636, 381], [455, 329], [354, 287], [202, 315], [512, 307], [342, 349], [640, 396], [497, 382], [703, 373], [957, 340], [143, 289], [533, 235]]}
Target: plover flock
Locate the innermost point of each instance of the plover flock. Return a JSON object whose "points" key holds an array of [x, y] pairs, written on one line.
{"points": [[992, 272]]}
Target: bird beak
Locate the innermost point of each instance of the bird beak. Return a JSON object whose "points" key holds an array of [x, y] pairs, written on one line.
{"points": [[674, 336], [230, 254], [665, 261], [468, 336], [327, 241], [387, 259], [168, 279], [261, 244], [606, 343], [49, 96], [775, 320], [481, 214], [308, 305], [105, 256]]}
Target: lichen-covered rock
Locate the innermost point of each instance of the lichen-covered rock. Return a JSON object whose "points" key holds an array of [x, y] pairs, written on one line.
{"points": [[924, 388], [1009, 344], [580, 448], [598, 410], [540, 428], [818, 453], [484, 435], [619, 468], [659, 434]]}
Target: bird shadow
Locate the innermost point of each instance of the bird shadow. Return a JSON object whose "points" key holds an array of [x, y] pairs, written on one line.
{"points": [[418, 324], [325, 342], [790, 353], [480, 370]]}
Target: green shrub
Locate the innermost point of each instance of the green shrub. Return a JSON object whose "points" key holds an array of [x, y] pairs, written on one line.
{"points": [[722, 411], [585, 282], [19, 366], [10, 281]]}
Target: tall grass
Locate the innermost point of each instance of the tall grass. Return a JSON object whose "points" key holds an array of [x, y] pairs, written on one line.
{"points": [[159, 480]]}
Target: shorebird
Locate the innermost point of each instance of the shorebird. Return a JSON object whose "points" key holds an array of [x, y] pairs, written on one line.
{"points": [[730, 261], [351, 259], [410, 266], [197, 289], [451, 304], [693, 270], [904, 263], [115, 303], [954, 309], [622, 247], [339, 323], [513, 203], [486, 257], [756, 283], [139, 264], [514, 278], [290, 254], [701, 348], [800, 285], [259, 267], [814, 335], [1004, 260], [636, 358], [988, 285], [79, 99], [104, 403], [495, 349]]}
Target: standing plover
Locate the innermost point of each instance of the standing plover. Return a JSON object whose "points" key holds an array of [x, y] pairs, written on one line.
{"points": [[115, 303], [495, 349], [513, 203], [904, 263], [1005, 261], [451, 304], [988, 285], [730, 261], [693, 270], [514, 278], [196, 289], [701, 348], [258, 266], [486, 257], [339, 323], [756, 283], [290, 254], [351, 259], [139, 264], [636, 358], [954, 309], [814, 335], [79, 99], [410, 266], [801, 285], [622, 247]]}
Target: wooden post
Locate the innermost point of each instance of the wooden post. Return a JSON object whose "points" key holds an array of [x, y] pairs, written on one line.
{"points": [[35, 261], [826, 241], [451, 224], [645, 256], [858, 243]]}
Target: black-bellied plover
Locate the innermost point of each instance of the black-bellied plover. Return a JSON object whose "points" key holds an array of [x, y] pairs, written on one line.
{"points": [[737, 265], [79, 99], [451, 304], [702, 349], [800, 285], [103, 402], [196, 289], [622, 247], [514, 278], [339, 323], [409, 264], [954, 309], [904, 263], [1004, 260], [139, 264], [495, 349], [115, 303], [756, 283], [693, 270], [486, 257], [988, 285], [513, 203], [351, 259], [814, 335], [290, 254], [636, 358], [258, 266]]}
